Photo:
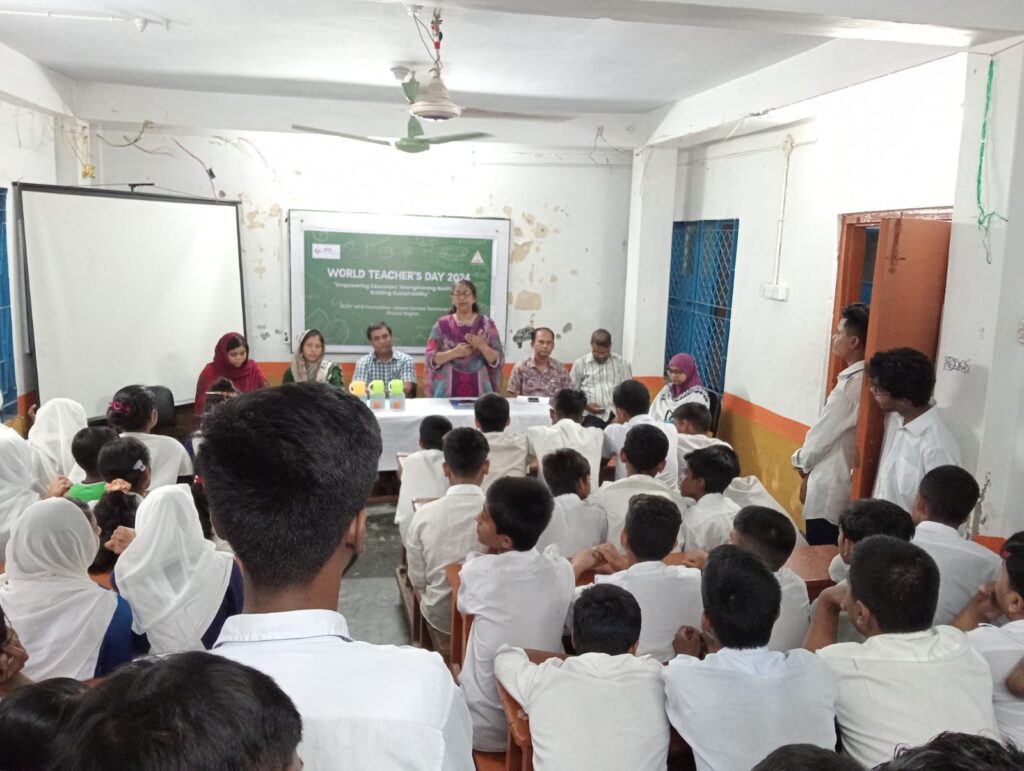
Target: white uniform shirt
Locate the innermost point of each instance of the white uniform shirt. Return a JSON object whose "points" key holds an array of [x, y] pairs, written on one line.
{"points": [[830, 448], [586, 440], [669, 597], [905, 688], [794, 614], [687, 443], [590, 711], [575, 525], [749, 491], [598, 380], [507, 456], [442, 532], [358, 709], [422, 477], [1002, 647], [664, 404], [615, 437], [518, 598], [168, 458], [963, 566], [909, 452], [736, 706], [708, 522], [613, 498]]}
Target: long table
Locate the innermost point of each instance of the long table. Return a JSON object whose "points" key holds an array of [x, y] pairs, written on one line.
{"points": [[400, 429]]}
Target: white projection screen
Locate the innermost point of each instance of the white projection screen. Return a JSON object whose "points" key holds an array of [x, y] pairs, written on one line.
{"points": [[125, 288]]}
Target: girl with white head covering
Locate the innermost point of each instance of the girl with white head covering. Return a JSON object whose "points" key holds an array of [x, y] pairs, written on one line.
{"points": [[16, 490], [177, 583], [55, 425], [70, 626]]}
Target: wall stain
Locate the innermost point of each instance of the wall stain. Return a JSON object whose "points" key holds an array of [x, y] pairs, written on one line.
{"points": [[530, 219], [574, 272], [553, 278], [517, 231], [259, 269], [479, 210], [540, 230], [507, 211], [522, 334], [520, 250], [567, 328], [274, 211], [528, 301], [253, 221], [510, 299]]}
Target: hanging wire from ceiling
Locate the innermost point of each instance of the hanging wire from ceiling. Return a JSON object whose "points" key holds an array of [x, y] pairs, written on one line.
{"points": [[985, 216]]}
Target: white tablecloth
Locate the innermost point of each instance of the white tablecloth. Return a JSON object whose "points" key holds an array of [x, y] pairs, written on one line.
{"points": [[400, 429]]}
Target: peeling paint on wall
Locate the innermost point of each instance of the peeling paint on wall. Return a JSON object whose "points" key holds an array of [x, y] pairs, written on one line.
{"points": [[530, 219], [553, 278], [540, 230], [517, 231], [528, 301], [521, 335], [253, 221], [567, 328], [507, 211], [519, 251]]}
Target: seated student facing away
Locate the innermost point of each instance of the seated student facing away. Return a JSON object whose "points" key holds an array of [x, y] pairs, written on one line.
{"points": [[731, 698], [567, 431], [85, 447], [423, 471], [507, 454], [16, 490], [55, 423], [124, 466], [643, 456], [287, 472], [632, 400], [576, 523], [191, 710], [517, 595], [909, 681], [806, 757], [944, 503], [707, 524], [444, 531], [963, 752], [33, 719], [603, 707], [1002, 646], [132, 413], [693, 421]]}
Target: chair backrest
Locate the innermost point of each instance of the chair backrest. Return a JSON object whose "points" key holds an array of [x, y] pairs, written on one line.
{"points": [[716, 411], [165, 413]]}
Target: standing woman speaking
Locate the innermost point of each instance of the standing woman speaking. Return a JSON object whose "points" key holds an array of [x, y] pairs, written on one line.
{"points": [[464, 356]]}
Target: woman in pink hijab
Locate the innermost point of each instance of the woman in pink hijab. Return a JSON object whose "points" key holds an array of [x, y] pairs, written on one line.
{"points": [[684, 385], [230, 360]]}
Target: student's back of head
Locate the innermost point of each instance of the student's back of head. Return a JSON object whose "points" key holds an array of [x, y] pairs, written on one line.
{"points": [[652, 527], [717, 465], [565, 470], [632, 397], [947, 495], [86, 446], [806, 757], [1013, 561], [432, 431], [605, 619], [465, 451], [491, 411], [767, 533], [694, 416], [957, 752], [131, 409], [520, 509], [568, 404], [286, 470], [741, 597], [123, 464], [903, 373], [32, 719], [897, 582], [189, 710], [645, 448], [874, 516]]}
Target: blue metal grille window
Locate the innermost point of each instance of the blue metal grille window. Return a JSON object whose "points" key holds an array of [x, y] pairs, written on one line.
{"points": [[700, 296], [8, 385]]}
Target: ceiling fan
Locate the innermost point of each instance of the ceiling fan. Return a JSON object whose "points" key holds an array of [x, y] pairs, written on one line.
{"points": [[414, 140]]}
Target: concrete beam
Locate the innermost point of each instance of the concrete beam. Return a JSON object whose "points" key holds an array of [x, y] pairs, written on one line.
{"points": [[29, 84]]}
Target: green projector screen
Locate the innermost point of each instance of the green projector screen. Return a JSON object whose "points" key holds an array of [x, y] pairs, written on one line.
{"points": [[350, 270]]}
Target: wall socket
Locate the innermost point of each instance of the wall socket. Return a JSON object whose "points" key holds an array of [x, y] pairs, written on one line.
{"points": [[777, 292], [1020, 332]]}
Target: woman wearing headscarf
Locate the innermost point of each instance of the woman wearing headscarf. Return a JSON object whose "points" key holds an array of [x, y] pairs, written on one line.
{"points": [[17, 492], [180, 588], [684, 385], [310, 365], [230, 360], [55, 425]]}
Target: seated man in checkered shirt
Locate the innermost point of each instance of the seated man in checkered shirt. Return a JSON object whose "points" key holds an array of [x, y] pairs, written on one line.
{"points": [[384, 362]]}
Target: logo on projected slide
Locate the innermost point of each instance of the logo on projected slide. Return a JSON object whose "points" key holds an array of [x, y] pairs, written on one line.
{"points": [[326, 251], [477, 259]]}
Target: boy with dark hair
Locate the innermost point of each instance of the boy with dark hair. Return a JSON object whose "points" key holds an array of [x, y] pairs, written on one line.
{"points": [[708, 473], [576, 524], [508, 456], [916, 440], [85, 449], [423, 471], [632, 401], [692, 421], [770, 537], [517, 595], [444, 531], [731, 698], [287, 472], [566, 431], [603, 707], [944, 502], [951, 751], [909, 680], [806, 757]]}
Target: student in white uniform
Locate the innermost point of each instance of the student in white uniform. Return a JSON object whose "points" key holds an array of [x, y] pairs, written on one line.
{"points": [[423, 471], [707, 524], [567, 431], [632, 400], [517, 595], [826, 459], [750, 491], [693, 422], [769, 536], [576, 523], [951, 750], [508, 454], [603, 707], [16, 489], [731, 698], [444, 531], [132, 413], [916, 440], [53, 429], [806, 757], [944, 502], [293, 509], [643, 456], [909, 681]]}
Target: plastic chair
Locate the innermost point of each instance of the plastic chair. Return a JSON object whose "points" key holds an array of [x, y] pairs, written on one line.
{"points": [[165, 413]]}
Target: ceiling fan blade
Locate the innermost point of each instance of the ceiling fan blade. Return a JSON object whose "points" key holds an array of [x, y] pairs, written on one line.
{"points": [[457, 137], [329, 133], [414, 128], [471, 112], [411, 88]]}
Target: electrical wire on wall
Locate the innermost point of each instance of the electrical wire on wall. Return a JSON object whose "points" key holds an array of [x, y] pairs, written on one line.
{"points": [[986, 216]]}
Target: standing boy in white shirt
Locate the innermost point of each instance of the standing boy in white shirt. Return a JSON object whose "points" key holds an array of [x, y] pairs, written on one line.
{"points": [[517, 595], [444, 531], [916, 440], [944, 502], [423, 471], [603, 707], [708, 523], [567, 430], [508, 449], [632, 401], [291, 504], [731, 698], [576, 524]]}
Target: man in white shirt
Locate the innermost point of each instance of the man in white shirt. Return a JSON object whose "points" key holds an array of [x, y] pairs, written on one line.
{"points": [[826, 459], [916, 440], [423, 471], [576, 524], [909, 681], [597, 374], [603, 707], [517, 596], [693, 421], [444, 531], [631, 402], [292, 508], [731, 698], [709, 472], [944, 503], [566, 430], [508, 454]]}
